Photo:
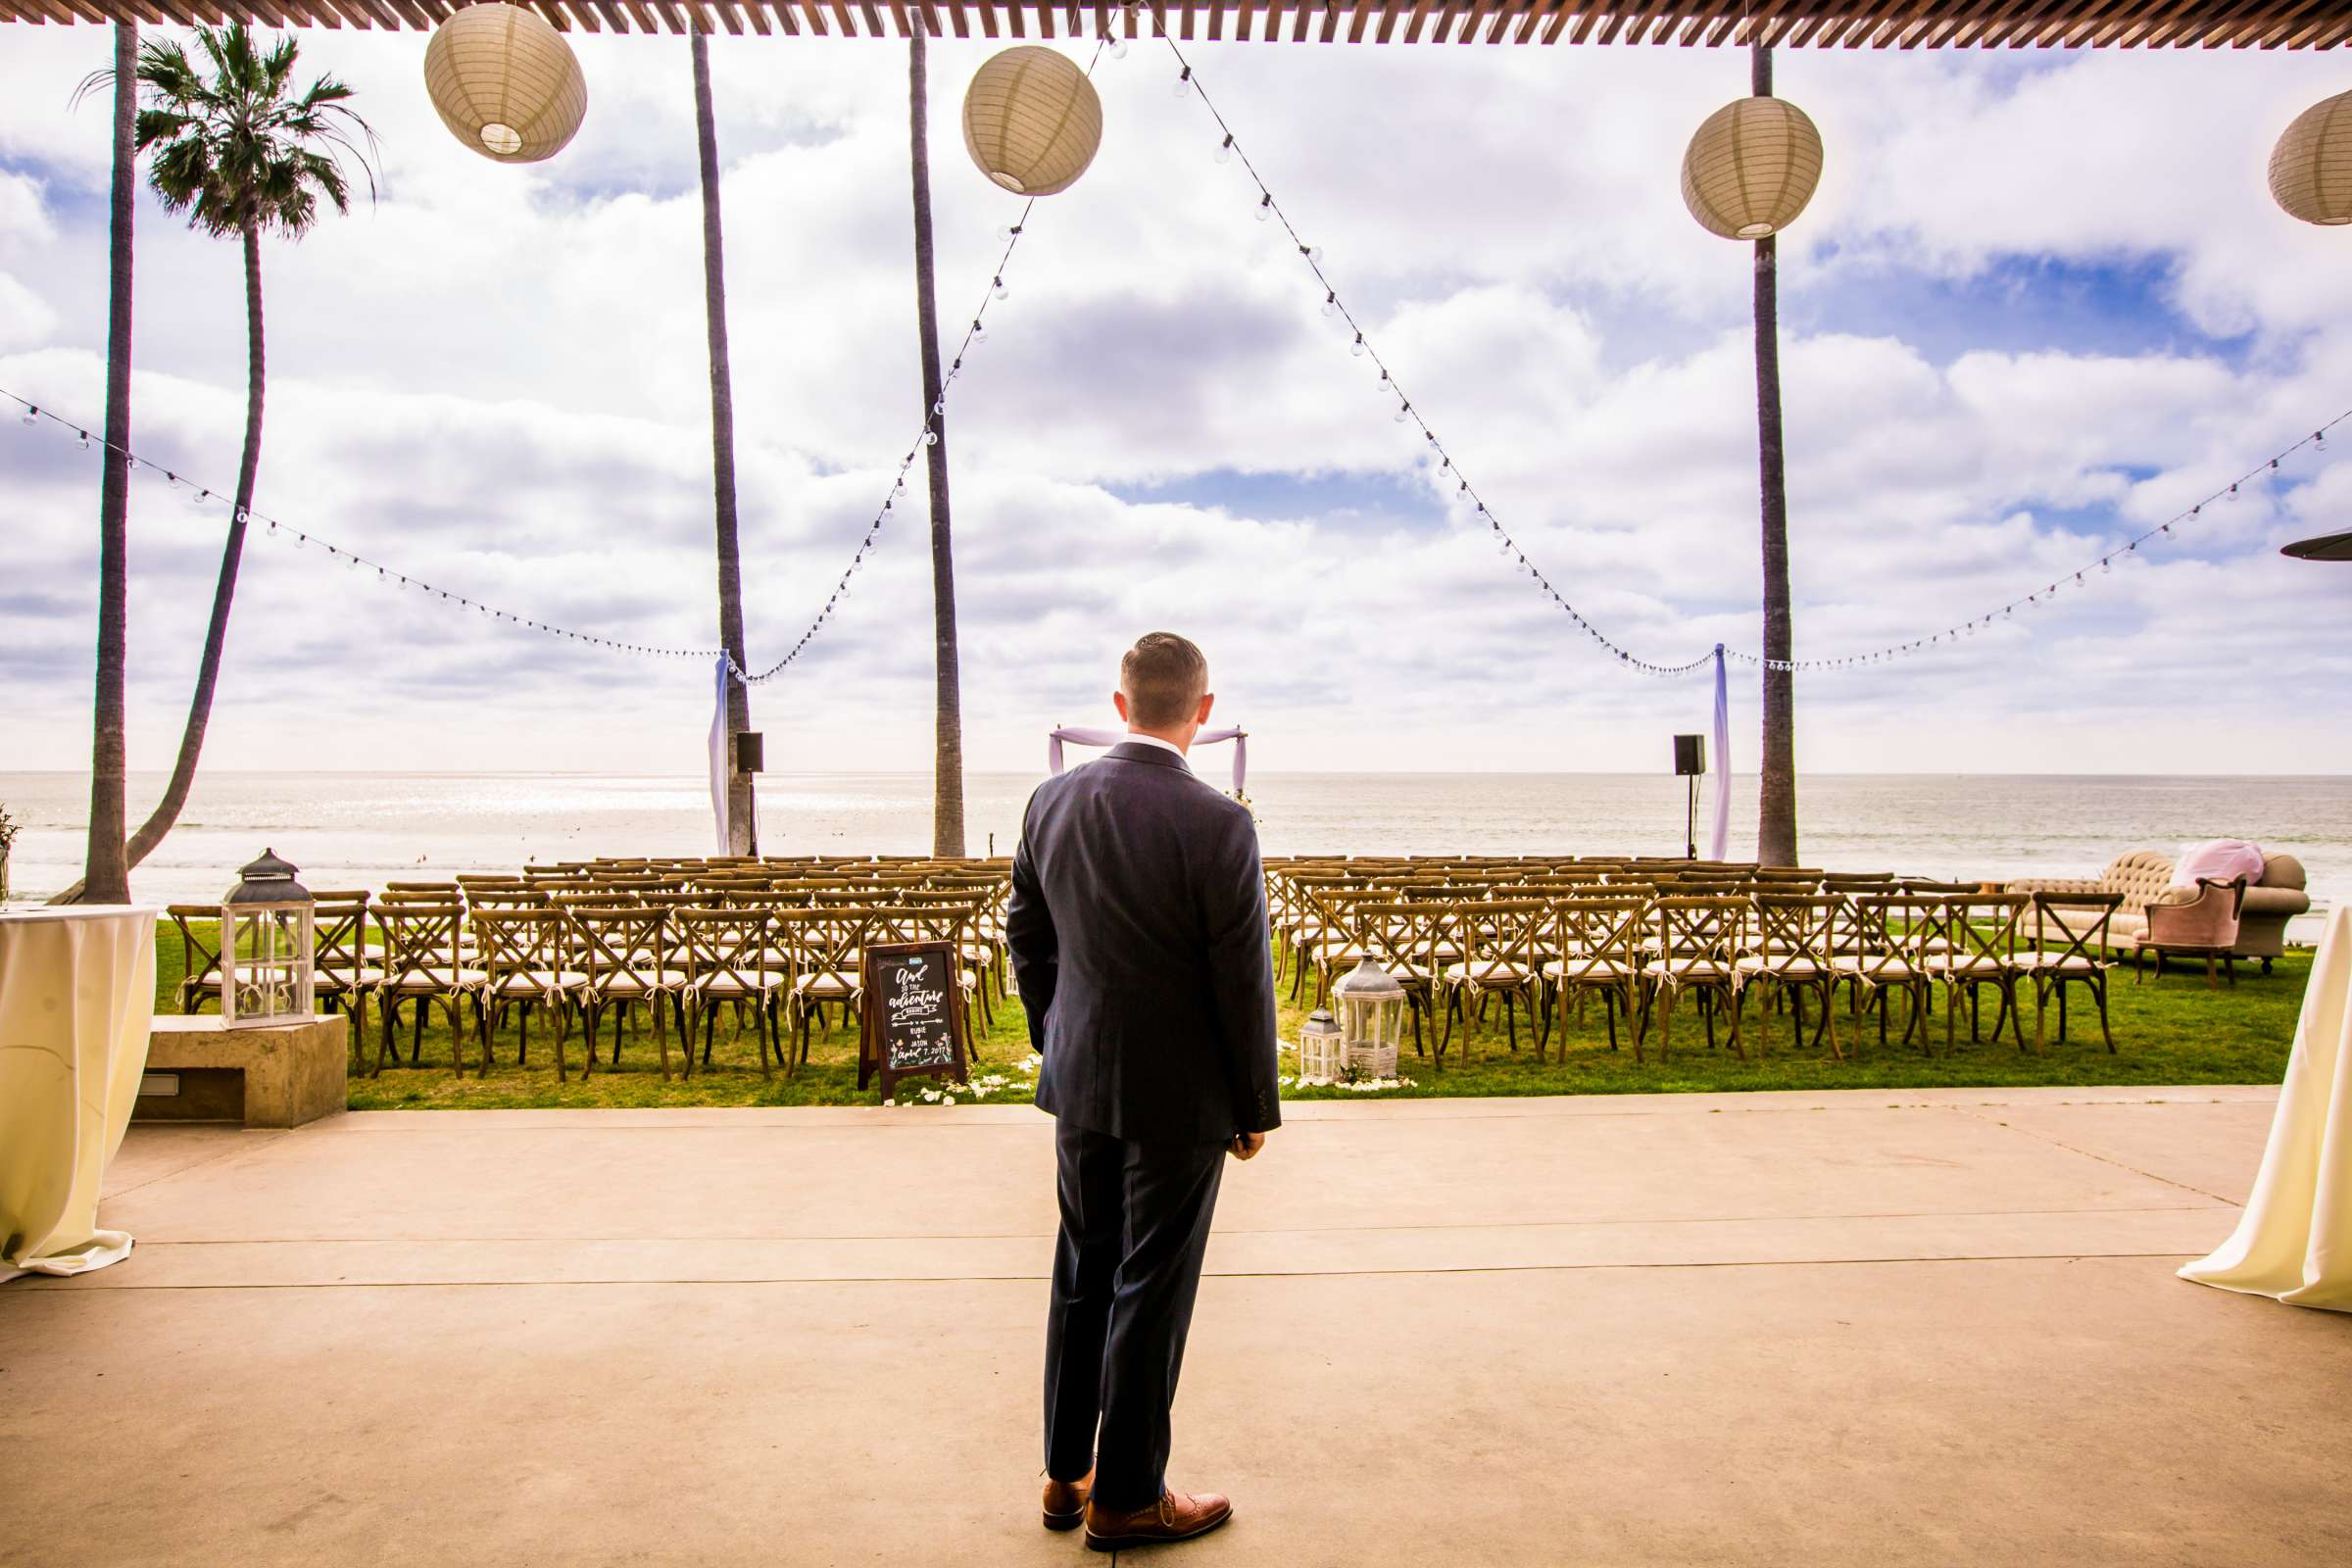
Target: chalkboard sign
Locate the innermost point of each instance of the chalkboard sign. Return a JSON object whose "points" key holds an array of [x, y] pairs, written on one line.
{"points": [[914, 1020]]}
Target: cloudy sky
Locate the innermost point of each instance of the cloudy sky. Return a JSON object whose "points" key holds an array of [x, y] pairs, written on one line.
{"points": [[2041, 302]]}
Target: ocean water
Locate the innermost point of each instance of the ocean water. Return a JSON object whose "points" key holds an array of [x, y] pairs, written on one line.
{"points": [[363, 829]]}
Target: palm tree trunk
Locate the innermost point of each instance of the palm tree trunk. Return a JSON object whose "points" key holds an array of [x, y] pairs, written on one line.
{"points": [[743, 835], [106, 878], [1776, 824], [946, 787], [225, 589]]}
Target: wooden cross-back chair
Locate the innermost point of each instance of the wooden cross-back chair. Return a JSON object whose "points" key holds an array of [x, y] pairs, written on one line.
{"points": [[1882, 949], [199, 965], [2070, 952], [1500, 943], [724, 957], [522, 952], [1793, 942], [1401, 936], [1980, 933], [344, 971], [623, 950], [425, 966], [1697, 946], [1596, 947], [823, 946]]}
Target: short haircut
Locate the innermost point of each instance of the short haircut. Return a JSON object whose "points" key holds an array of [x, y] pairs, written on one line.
{"points": [[1164, 677]]}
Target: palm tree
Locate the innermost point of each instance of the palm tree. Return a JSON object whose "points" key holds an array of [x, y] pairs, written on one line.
{"points": [[946, 779], [105, 874], [241, 154], [1775, 812], [743, 828]]}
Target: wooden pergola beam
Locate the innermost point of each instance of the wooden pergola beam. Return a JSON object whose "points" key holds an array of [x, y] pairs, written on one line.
{"points": [[1692, 24]]}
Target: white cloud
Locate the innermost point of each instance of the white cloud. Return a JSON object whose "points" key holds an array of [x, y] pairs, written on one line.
{"points": [[495, 378]]}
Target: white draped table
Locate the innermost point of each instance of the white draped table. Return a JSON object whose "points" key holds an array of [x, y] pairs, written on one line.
{"points": [[77, 1001], [2295, 1240]]}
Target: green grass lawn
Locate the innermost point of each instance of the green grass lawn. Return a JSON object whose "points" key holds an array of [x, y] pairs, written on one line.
{"points": [[2172, 1031]]}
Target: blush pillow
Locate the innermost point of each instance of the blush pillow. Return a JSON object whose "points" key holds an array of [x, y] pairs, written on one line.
{"points": [[2222, 860]]}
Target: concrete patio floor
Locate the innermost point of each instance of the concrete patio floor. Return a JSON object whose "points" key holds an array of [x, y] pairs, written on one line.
{"points": [[1870, 1328]]}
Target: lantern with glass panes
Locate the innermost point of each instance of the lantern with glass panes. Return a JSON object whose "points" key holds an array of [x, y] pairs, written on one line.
{"points": [[1319, 1054], [1371, 1009], [267, 937]]}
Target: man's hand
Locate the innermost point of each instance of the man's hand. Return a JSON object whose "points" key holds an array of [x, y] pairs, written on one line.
{"points": [[1246, 1144]]}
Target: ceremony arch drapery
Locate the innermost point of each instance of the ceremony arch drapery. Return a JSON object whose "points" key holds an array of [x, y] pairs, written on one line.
{"points": [[1112, 737]]}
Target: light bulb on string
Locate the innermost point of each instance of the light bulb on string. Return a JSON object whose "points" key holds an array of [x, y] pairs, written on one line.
{"points": [[1116, 45], [1331, 303], [979, 333], [131, 462], [1357, 347], [930, 438], [1404, 411], [1184, 81], [998, 287], [1313, 254], [1265, 206], [1007, 233], [33, 415], [1225, 151], [84, 442]]}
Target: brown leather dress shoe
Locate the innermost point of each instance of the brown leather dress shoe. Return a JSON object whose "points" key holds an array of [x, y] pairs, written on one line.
{"points": [[1066, 1501], [1174, 1517]]}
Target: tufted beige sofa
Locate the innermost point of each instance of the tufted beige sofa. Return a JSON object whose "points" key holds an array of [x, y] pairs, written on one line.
{"points": [[2144, 877]]}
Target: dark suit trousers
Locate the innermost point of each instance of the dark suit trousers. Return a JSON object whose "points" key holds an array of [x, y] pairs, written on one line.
{"points": [[1134, 1229]]}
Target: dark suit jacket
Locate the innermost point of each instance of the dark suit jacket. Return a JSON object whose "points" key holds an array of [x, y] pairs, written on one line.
{"points": [[1138, 938]]}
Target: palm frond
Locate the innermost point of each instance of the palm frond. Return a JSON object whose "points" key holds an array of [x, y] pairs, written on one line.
{"points": [[234, 147]]}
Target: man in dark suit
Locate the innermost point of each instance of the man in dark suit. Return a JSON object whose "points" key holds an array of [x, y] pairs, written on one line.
{"points": [[1138, 930]]}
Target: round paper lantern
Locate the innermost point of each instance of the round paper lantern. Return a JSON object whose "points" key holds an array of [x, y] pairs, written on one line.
{"points": [[1031, 121], [1751, 168], [2311, 167], [505, 82]]}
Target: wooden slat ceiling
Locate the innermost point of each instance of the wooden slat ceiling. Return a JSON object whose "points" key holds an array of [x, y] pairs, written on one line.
{"points": [[1817, 24]]}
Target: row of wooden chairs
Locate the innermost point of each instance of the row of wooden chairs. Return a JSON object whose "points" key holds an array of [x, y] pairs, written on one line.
{"points": [[1642, 949], [785, 964]]}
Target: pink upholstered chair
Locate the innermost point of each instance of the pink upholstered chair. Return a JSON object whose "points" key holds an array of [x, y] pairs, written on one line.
{"points": [[2204, 927]]}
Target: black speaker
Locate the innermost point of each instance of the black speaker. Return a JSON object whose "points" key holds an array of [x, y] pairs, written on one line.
{"points": [[750, 751], [1690, 755]]}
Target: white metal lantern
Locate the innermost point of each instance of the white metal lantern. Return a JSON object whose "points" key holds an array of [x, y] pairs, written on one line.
{"points": [[1751, 168], [1319, 1054], [1031, 121], [1371, 1008], [267, 946], [2311, 167], [505, 82]]}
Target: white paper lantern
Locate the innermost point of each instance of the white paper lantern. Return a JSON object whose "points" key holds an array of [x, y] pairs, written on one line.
{"points": [[1751, 168], [2311, 167], [1031, 121], [505, 82]]}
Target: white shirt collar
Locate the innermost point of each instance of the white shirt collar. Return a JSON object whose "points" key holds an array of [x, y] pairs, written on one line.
{"points": [[1134, 738]]}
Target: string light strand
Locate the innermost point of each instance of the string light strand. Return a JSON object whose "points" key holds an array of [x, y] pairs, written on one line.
{"points": [[1360, 344]]}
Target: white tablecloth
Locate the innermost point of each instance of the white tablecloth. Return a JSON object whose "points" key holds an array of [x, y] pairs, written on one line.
{"points": [[2295, 1240], [77, 1001]]}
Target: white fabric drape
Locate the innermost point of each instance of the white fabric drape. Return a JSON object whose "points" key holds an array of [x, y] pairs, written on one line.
{"points": [[1720, 835], [76, 1002], [718, 759], [2295, 1240], [1112, 737]]}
